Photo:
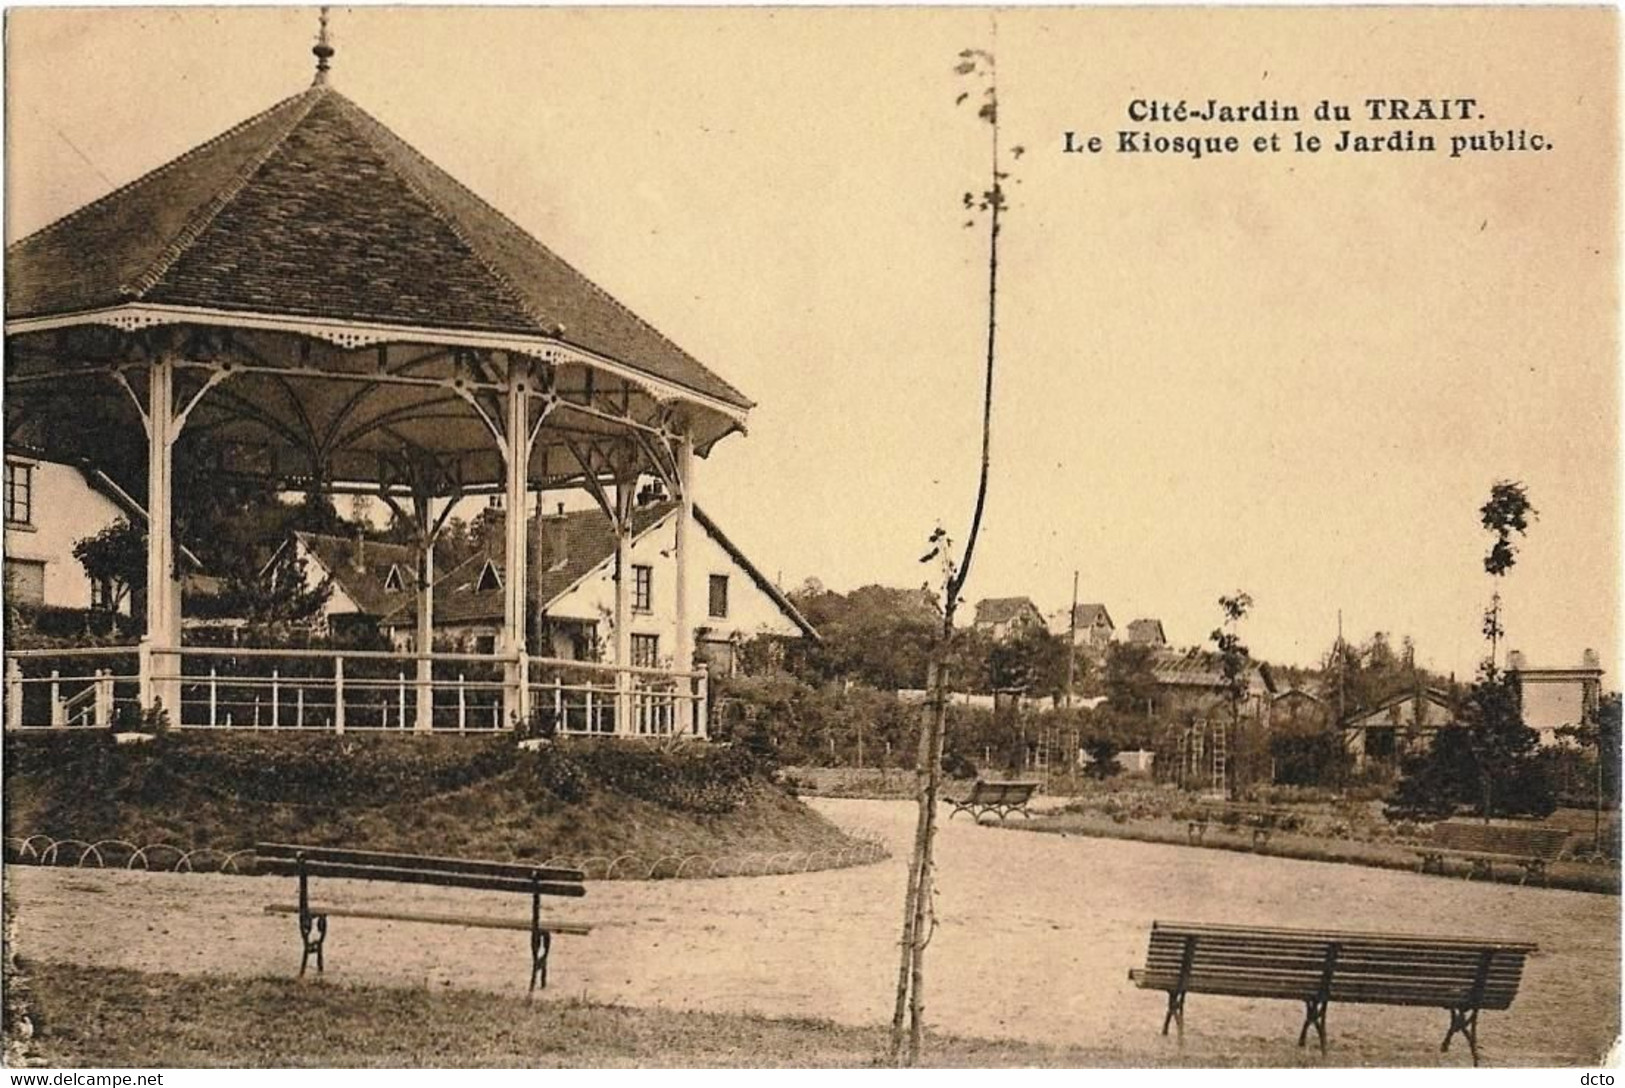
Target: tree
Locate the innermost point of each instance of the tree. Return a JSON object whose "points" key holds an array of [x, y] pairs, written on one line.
{"points": [[1131, 686], [1235, 662], [1508, 511], [978, 65], [1033, 662], [115, 560], [1493, 749]]}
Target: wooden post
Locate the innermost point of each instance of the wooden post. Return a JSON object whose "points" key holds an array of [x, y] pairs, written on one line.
{"points": [[213, 693], [462, 704], [338, 695], [163, 617], [276, 701], [683, 645], [516, 689], [104, 696], [14, 694], [702, 681], [424, 720], [623, 602], [400, 711], [58, 715]]}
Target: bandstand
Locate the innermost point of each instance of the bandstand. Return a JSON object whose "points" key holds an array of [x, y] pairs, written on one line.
{"points": [[325, 308]]}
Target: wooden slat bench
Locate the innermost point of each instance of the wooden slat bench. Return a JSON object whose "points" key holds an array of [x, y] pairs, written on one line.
{"points": [[1261, 820], [1482, 845], [1460, 975], [311, 861], [1001, 798]]}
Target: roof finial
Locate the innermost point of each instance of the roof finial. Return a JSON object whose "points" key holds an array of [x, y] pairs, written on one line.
{"points": [[323, 51]]}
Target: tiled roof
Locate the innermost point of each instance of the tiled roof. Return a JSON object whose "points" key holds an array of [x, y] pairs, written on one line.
{"points": [[1002, 609], [586, 540], [364, 582], [585, 537], [1085, 615], [1200, 668], [313, 208], [1149, 631]]}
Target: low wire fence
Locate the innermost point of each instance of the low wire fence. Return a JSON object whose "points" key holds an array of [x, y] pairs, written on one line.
{"points": [[166, 857]]}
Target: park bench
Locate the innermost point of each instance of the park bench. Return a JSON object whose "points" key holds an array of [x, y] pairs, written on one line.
{"points": [[1460, 975], [1001, 798], [312, 861], [1482, 845], [1261, 820]]}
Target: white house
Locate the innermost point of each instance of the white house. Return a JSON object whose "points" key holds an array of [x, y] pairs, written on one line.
{"points": [[49, 506], [572, 592], [369, 579], [1555, 697]]}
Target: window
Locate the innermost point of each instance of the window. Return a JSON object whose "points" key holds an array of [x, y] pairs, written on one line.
{"points": [[25, 580], [646, 649], [719, 596], [1379, 743], [643, 589], [19, 493], [489, 578]]}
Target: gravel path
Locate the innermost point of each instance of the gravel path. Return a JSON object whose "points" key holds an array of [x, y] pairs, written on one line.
{"points": [[1036, 935]]}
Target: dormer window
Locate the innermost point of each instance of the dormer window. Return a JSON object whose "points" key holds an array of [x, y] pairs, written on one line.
{"points": [[490, 578], [394, 581]]}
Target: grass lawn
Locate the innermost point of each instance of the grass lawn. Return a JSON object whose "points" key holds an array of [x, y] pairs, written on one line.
{"points": [[109, 1017]]}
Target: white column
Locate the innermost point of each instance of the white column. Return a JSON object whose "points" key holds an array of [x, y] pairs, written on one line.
{"points": [[163, 613], [516, 693], [425, 632], [623, 603], [683, 646]]}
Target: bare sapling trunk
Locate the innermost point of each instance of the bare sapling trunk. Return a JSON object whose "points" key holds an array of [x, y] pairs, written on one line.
{"points": [[918, 904]]}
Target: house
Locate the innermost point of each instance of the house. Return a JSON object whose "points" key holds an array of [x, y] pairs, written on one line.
{"points": [[1397, 726], [369, 579], [1146, 632], [49, 506], [571, 575], [1193, 683], [1006, 617], [1557, 697], [1089, 625], [1301, 713]]}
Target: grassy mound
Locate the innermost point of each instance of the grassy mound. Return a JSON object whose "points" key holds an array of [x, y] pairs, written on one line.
{"points": [[476, 797], [89, 1017]]}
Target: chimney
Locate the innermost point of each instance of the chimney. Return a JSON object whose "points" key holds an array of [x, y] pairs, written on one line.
{"points": [[1590, 660], [555, 541], [1514, 660], [359, 556]]}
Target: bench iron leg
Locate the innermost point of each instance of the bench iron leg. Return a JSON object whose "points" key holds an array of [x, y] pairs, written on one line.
{"points": [[1314, 1016], [541, 942], [1464, 1021], [1176, 1013], [312, 945]]}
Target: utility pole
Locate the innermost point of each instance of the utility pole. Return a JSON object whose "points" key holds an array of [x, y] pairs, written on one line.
{"points": [[1072, 640]]}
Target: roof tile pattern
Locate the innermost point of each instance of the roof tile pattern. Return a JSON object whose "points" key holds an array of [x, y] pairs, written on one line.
{"points": [[316, 209]]}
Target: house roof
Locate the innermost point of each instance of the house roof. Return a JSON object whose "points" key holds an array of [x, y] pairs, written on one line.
{"points": [[1002, 609], [1147, 630], [586, 540], [1435, 696], [315, 209], [1085, 615], [1201, 668], [364, 581]]}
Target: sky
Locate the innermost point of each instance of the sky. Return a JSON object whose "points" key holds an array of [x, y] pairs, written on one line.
{"points": [[1295, 375]]}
